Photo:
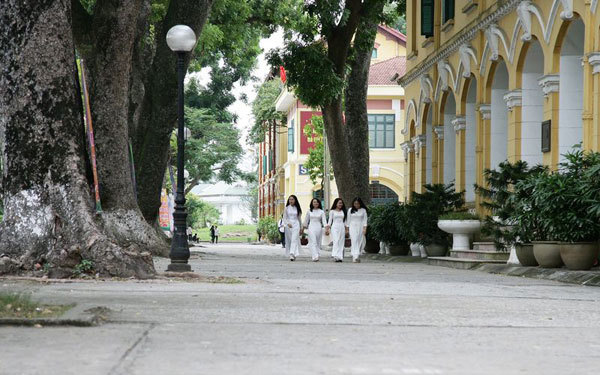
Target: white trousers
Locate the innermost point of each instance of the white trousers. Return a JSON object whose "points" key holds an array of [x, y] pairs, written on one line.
{"points": [[315, 235], [338, 233]]}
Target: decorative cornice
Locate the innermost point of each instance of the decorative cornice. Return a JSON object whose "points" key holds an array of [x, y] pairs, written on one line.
{"points": [[465, 36], [594, 61], [549, 83], [513, 99], [485, 110], [459, 123], [439, 131]]}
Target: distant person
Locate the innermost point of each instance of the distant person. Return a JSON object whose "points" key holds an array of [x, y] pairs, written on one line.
{"points": [[212, 234], [189, 233], [338, 229], [357, 223], [315, 222], [281, 227], [292, 217], [216, 234]]}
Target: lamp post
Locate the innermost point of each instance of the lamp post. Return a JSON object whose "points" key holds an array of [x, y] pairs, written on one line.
{"points": [[181, 40]]}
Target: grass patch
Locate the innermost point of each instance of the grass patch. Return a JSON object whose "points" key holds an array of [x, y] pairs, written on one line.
{"points": [[230, 233], [21, 306]]}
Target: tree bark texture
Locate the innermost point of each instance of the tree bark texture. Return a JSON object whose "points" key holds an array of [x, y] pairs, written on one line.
{"points": [[357, 122], [49, 217], [158, 113], [348, 140]]}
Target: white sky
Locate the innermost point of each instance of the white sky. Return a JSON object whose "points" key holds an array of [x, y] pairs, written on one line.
{"points": [[244, 110]]}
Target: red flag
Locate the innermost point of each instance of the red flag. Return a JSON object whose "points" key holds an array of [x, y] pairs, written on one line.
{"points": [[282, 74]]}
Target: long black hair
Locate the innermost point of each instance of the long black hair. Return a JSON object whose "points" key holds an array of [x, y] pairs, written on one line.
{"points": [[311, 204], [362, 205], [334, 206], [297, 205]]}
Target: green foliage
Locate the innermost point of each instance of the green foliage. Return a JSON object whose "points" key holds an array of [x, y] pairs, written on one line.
{"points": [[459, 215], [315, 163], [263, 109], [84, 267], [425, 210], [267, 227], [200, 213], [561, 201], [387, 223], [498, 199], [14, 305]]}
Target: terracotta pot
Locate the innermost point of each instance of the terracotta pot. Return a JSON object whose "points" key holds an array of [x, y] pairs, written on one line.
{"points": [[547, 254], [435, 250], [525, 255], [579, 255], [372, 246], [401, 249]]}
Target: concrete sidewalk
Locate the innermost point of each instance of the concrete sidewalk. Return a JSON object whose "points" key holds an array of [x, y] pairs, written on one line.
{"points": [[313, 318]]}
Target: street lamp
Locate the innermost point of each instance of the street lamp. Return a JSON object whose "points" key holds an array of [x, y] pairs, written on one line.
{"points": [[180, 39]]}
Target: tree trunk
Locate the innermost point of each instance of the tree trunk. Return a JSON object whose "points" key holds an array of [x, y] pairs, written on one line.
{"points": [[357, 122], [158, 114], [114, 28], [48, 216]]}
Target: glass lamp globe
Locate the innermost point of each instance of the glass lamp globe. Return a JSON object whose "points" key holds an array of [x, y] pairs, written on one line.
{"points": [[181, 38]]}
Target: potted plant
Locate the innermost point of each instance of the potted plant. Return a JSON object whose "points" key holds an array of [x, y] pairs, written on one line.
{"points": [[499, 201], [462, 225], [565, 209], [383, 225], [423, 213], [372, 244]]}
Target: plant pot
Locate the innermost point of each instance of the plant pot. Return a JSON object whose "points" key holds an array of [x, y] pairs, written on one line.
{"points": [[303, 241], [461, 231], [423, 251], [435, 250], [347, 242], [547, 254], [579, 255], [525, 255], [415, 249], [372, 246], [401, 249]]}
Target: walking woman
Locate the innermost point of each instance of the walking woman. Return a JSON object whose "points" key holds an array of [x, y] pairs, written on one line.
{"points": [[338, 229], [315, 222], [292, 217], [357, 222]]}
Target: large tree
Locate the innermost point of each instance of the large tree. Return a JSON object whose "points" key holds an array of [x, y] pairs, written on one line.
{"points": [[333, 45], [49, 216]]}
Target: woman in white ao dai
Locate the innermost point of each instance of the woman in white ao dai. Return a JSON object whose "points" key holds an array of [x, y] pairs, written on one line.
{"points": [[292, 216], [337, 227], [357, 223], [314, 221]]}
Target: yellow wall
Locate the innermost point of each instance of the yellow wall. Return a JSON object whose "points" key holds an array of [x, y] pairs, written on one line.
{"points": [[549, 22]]}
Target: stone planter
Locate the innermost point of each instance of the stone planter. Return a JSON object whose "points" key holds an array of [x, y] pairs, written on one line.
{"points": [[423, 251], [547, 254], [415, 249], [397, 250], [372, 246], [461, 231], [435, 250], [525, 255], [579, 255]]}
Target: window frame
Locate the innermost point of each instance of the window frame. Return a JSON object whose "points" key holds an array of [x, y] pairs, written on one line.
{"points": [[386, 124], [448, 10], [291, 139], [427, 9]]}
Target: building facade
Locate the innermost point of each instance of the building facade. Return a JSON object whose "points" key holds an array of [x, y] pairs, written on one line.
{"points": [[285, 150], [489, 81], [232, 201]]}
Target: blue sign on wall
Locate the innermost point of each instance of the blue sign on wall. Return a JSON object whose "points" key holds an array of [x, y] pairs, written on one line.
{"points": [[301, 170]]}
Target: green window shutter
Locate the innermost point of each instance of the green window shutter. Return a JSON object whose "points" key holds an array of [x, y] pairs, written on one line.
{"points": [[291, 137], [448, 10], [427, 17], [264, 165]]}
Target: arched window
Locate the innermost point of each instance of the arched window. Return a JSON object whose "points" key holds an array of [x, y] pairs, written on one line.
{"points": [[381, 194]]}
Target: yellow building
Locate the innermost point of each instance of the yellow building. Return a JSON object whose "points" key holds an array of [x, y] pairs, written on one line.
{"points": [[385, 106], [488, 81]]}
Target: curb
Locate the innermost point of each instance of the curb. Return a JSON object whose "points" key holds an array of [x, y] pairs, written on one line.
{"points": [[78, 316], [394, 258], [588, 278]]}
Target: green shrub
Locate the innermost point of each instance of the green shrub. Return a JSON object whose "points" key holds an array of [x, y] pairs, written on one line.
{"points": [[267, 228], [459, 215], [386, 223]]}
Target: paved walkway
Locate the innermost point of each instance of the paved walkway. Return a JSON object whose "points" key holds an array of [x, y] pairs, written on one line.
{"points": [[314, 318]]}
